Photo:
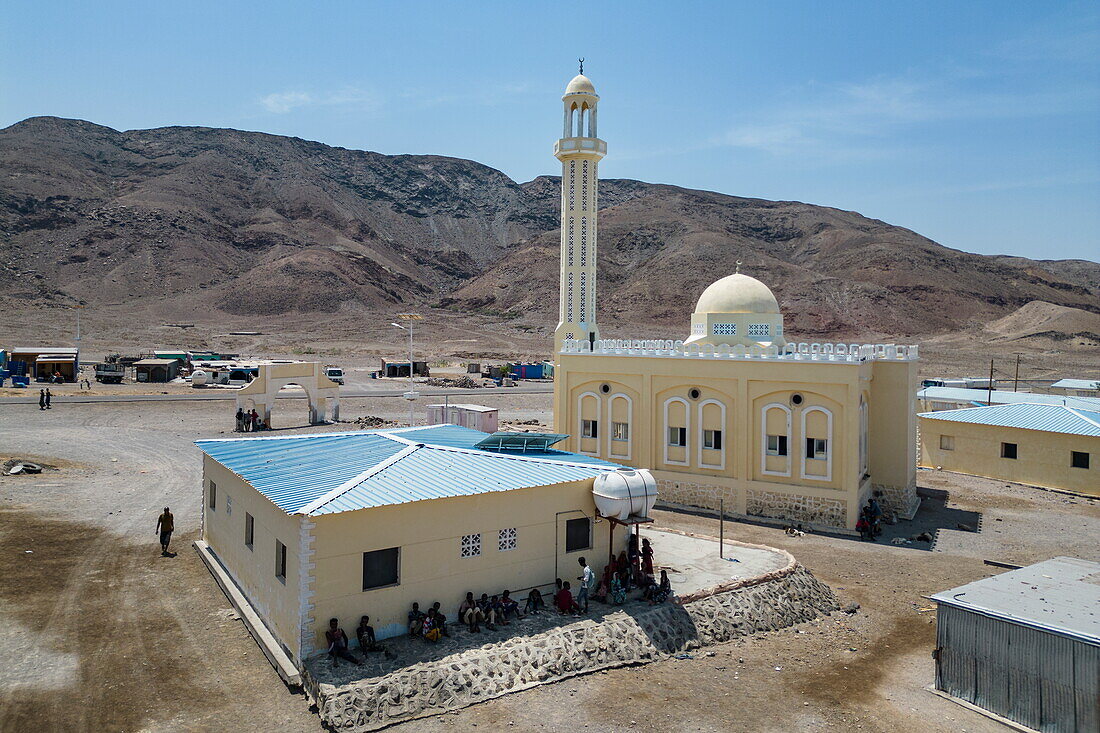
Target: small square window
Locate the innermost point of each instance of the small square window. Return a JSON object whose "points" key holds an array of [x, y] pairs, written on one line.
{"points": [[817, 448], [1008, 450], [677, 437], [380, 568], [578, 534], [589, 429], [280, 561], [213, 495], [471, 545], [249, 530], [620, 431], [712, 439], [506, 539], [777, 445], [1078, 459], [947, 442]]}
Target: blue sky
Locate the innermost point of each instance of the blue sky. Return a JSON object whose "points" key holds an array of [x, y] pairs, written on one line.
{"points": [[976, 124]]}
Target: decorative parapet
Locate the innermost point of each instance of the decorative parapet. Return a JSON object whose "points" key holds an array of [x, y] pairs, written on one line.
{"points": [[809, 352]]}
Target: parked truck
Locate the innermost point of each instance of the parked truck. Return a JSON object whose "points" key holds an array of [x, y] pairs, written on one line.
{"points": [[110, 372]]}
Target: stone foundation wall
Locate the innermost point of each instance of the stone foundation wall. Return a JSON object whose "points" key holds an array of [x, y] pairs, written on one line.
{"points": [[901, 500], [796, 508], [780, 599], [704, 496]]}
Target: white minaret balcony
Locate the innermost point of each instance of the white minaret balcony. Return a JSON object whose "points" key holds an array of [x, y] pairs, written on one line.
{"points": [[590, 145]]}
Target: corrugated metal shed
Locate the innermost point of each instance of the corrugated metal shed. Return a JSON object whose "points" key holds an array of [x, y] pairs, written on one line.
{"points": [[338, 472], [1048, 418], [1093, 384], [1026, 645], [982, 396]]}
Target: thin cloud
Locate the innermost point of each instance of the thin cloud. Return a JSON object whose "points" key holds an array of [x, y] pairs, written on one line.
{"points": [[283, 102]]}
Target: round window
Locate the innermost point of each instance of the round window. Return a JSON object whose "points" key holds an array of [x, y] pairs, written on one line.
{"points": [[693, 394], [605, 388], [796, 399]]}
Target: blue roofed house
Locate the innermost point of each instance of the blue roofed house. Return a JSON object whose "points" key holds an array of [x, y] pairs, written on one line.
{"points": [[338, 525]]}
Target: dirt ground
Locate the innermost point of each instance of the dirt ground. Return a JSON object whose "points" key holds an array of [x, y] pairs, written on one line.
{"points": [[99, 632]]}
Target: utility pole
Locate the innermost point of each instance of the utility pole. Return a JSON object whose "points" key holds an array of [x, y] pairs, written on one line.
{"points": [[989, 395], [1016, 379]]}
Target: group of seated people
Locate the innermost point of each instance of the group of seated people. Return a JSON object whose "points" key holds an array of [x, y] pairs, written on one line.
{"points": [[495, 610]]}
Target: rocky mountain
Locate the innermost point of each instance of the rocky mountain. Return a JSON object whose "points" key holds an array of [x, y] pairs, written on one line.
{"points": [[251, 224]]}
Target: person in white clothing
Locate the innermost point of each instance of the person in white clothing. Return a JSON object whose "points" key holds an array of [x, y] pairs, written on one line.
{"points": [[588, 584]]}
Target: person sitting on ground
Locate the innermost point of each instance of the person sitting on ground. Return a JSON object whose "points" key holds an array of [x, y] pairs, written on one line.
{"points": [[647, 557], [534, 602], [863, 526], [416, 620], [440, 619], [618, 591], [662, 591], [338, 643], [508, 605], [498, 611], [600, 594], [430, 628], [365, 635], [487, 611], [564, 601], [470, 614]]}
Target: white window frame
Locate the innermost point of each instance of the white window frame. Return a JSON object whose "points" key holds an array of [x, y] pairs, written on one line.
{"points": [[774, 452], [507, 539], [711, 452], [709, 435], [470, 545], [681, 437], [764, 439], [614, 443], [580, 422], [687, 430], [828, 438], [819, 452], [620, 432], [590, 428]]}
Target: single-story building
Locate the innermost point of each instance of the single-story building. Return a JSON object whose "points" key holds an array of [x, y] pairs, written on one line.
{"points": [[43, 362], [478, 417], [1078, 387], [1025, 645], [399, 369], [1052, 446], [952, 398], [156, 370], [311, 527]]}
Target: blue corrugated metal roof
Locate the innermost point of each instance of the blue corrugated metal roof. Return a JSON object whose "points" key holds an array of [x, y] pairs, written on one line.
{"points": [[998, 397], [1050, 418], [339, 472]]}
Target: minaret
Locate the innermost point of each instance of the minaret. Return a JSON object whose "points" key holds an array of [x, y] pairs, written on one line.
{"points": [[580, 152]]}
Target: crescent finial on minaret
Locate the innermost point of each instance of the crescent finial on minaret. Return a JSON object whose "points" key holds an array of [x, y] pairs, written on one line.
{"points": [[581, 62]]}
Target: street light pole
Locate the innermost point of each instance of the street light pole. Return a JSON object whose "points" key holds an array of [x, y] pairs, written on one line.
{"points": [[410, 395]]}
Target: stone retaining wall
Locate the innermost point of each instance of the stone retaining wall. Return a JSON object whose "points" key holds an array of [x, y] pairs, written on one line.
{"points": [[773, 601], [820, 511], [901, 500]]}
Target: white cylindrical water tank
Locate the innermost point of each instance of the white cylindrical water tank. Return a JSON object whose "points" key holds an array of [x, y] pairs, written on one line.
{"points": [[199, 378], [624, 493]]}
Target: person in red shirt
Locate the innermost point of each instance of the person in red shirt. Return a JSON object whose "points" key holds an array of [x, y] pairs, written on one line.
{"points": [[564, 600]]}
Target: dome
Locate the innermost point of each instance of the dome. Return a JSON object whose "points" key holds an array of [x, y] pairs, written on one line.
{"points": [[580, 85], [737, 294]]}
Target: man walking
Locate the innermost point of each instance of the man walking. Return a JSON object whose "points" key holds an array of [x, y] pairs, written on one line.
{"points": [[588, 581], [165, 524], [41, 399], [48, 396]]}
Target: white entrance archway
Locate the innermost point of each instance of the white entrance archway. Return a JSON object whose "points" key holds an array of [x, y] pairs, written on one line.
{"points": [[310, 376]]}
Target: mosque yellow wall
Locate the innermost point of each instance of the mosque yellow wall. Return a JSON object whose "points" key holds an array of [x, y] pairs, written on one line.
{"points": [[429, 535], [253, 569], [748, 400], [1043, 459]]}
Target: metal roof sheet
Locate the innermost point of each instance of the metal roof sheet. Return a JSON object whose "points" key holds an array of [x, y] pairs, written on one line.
{"points": [[998, 397], [338, 472], [1049, 418], [1093, 384], [1061, 595]]}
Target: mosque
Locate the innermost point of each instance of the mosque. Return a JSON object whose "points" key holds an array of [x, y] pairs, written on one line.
{"points": [[734, 416]]}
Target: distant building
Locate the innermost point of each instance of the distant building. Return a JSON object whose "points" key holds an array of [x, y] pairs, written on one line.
{"points": [[734, 415], [42, 363], [1025, 645], [1078, 387], [311, 527], [1052, 446], [477, 417], [953, 398], [156, 370]]}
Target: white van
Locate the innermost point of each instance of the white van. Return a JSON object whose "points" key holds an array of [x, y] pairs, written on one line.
{"points": [[336, 374]]}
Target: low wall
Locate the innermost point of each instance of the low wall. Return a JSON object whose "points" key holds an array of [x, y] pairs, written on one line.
{"points": [[772, 601]]}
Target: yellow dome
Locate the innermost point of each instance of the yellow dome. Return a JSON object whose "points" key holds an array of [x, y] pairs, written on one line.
{"points": [[580, 85], [737, 294]]}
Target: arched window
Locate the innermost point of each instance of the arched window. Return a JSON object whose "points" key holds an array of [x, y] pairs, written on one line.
{"points": [[711, 438], [677, 427], [817, 448], [588, 424], [864, 448], [775, 440], [620, 419]]}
